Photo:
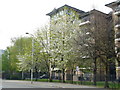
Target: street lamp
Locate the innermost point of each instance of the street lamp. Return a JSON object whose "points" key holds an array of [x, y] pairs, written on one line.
{"points": [[32, 56]]}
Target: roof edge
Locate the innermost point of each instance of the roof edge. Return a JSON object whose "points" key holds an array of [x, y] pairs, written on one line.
{"points": [[98, 11], [55, 10], [111, 4]]}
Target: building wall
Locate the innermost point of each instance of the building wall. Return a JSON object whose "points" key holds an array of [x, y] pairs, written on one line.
{"points": [[117, 41], [102, 31], [105, 41], [115, 6]]}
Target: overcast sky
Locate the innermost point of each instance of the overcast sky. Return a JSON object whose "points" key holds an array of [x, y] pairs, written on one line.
{"points": [[20, 16]]}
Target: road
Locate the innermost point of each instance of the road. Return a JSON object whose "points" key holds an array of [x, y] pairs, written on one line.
{"points": [[27, 84]]}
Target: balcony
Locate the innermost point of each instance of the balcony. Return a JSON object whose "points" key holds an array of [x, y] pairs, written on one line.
{"points": [[117, 42], [117, 11], [117, 68], [117, 35], [118, 54], [84, 23], [117, 30], [117, 24]]}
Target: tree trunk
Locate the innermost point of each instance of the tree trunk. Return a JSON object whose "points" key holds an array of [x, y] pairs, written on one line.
{"points": [[95, 72], [72, 75], [106, 76], [50, 77], [63, 77], [59, 75], [22, 75], [100, 70], [11, 74], [36, 73], [50, 73]]}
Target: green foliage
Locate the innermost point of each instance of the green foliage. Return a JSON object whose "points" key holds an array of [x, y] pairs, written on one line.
{"points": [[11, 59], [9, 62], [5, 62]]}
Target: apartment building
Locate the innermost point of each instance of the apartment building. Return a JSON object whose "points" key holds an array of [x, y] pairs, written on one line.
{"points": [[98, 26], [93, 25], [115, 6]]}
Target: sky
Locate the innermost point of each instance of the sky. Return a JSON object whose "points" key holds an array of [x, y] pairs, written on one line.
{"points": [[20, 16]]}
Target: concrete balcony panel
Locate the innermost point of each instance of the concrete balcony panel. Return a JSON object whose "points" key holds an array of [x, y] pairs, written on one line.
{"points": [[117, 26], [117, 13], [84, 23], [118, 68], [117, 39]]}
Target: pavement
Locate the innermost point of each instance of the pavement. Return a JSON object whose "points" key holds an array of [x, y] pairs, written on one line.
{"points": [[27, 84], [0, 83], [12, 84]]}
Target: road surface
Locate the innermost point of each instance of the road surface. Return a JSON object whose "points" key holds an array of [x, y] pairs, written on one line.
{"points": [[27, 84]]}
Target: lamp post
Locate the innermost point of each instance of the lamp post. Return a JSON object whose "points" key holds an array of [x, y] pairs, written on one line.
{"points": [[32, 56]]}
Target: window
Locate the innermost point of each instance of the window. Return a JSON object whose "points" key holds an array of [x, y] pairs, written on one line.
{"points": [[68, 12]]}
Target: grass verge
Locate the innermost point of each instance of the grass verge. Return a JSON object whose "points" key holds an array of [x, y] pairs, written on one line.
{"points": [[100, 84]]}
